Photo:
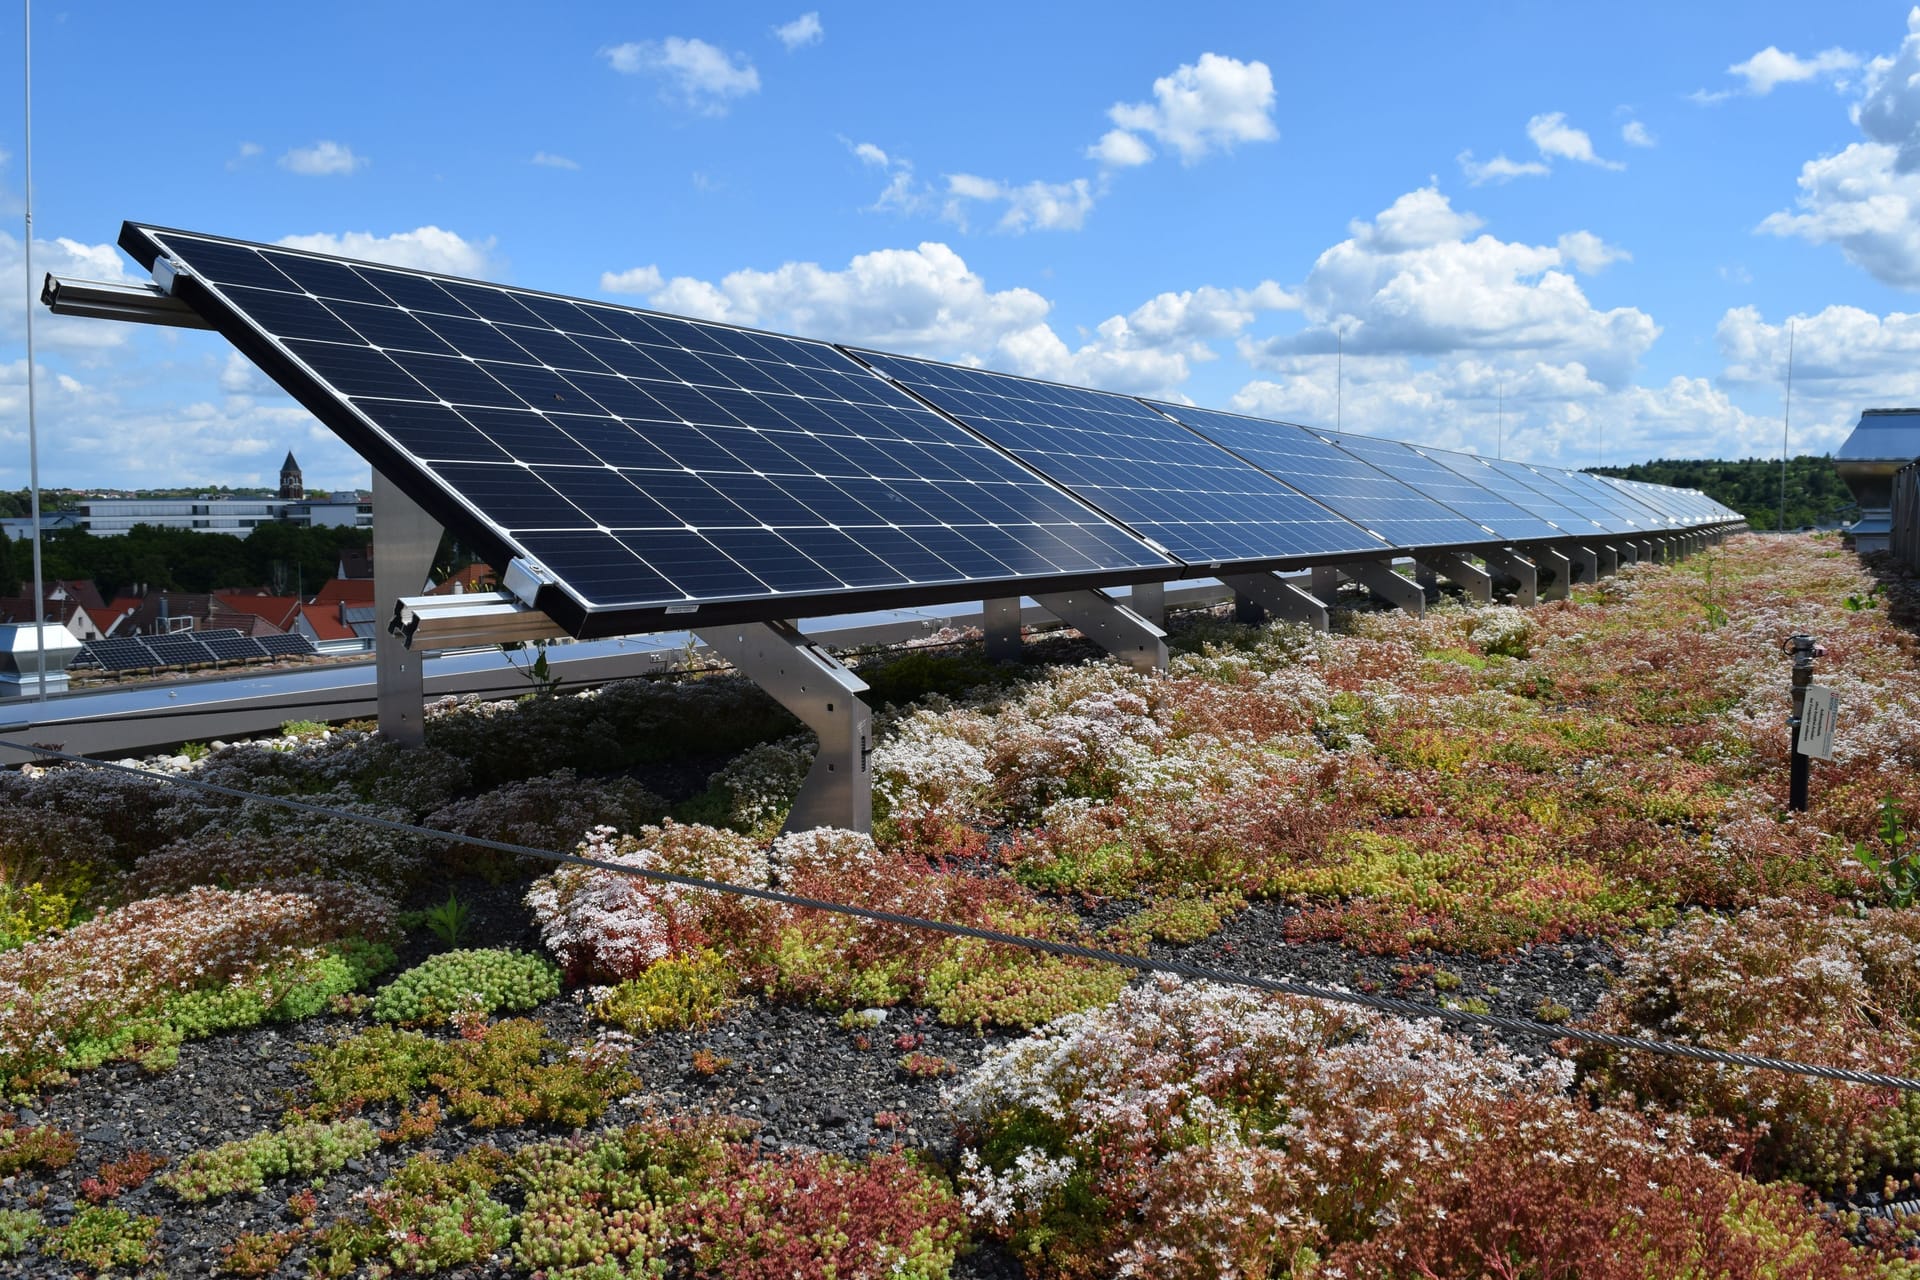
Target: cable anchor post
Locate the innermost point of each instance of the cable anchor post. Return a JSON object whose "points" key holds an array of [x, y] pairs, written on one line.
{"points": [[1803, 649]]}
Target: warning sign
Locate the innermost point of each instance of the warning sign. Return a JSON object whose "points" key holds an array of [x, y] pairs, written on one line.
{"points": [[1816, 722]]}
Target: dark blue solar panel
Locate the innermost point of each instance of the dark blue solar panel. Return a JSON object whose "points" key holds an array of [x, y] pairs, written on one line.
{"points": [[179, 649], [1558, 484], [1413, 467], [1533, 498], [1188, 496], [1629, 512], [1345, 484], [647, 461]]}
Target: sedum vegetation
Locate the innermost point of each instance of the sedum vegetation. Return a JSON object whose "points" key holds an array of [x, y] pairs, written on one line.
{"points": [[1421, 793]]}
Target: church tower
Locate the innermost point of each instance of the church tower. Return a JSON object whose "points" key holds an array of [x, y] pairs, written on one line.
{"points": [[291, 490]]}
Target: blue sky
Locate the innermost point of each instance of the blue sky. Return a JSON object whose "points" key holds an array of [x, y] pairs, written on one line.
{"points": [[1529, 227]]}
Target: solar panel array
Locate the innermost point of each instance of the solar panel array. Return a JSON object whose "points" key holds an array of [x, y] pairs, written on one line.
{"points": [[656, 470], [1187, 495], [1382, 504], [186, 649], [650, 461]]}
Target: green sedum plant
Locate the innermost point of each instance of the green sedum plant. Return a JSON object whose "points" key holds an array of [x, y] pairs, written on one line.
{"points": [[679, 993], [102, 1237], [302, 1149], [465, 983]]}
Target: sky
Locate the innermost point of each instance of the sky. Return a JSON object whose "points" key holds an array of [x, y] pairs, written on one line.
{"points": [[1559, 233]]}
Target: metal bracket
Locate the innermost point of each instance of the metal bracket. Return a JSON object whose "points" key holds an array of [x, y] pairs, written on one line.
{"points": [[1111, 625], [1378, 577], [1609, 559], [1514, 567], [1586, 564], [408, 539], [1001, 621], [1475, 581], [1547, 561], [818, 688], [1279, 597], [1149, 600]]}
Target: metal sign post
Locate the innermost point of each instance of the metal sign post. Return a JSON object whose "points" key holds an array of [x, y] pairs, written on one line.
{"points": [[1804, 650]]}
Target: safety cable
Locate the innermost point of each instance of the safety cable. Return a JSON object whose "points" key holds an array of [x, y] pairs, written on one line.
{"points": [[1529, 1027]]}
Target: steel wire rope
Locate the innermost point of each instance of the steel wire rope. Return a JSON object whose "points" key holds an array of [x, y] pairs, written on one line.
{"points": [[1530, 1027]]}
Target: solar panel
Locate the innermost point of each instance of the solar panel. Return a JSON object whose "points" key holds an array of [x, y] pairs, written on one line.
{"points": [[1348, 485], [1558, 484], [1414, 468], [1532, 497], [1184, 494], [123, 653], [179, 649], [651, 464], [1639, 514], [285, 646], [229, 645]]}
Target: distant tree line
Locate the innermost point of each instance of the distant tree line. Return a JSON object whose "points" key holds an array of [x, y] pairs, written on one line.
{"points": [[285, 558], [1815, 492]]}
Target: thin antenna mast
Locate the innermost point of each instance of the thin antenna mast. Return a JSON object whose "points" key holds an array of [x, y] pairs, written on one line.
{"points": [[1500, 418], [1786, 418], [33, 428], [1339, 375]]}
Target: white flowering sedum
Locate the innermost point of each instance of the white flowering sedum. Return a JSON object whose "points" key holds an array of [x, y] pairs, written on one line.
{"points": [[605, 925]]}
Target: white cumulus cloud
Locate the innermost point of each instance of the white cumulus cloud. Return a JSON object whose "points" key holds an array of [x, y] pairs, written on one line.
{"points": [[645, 279], [1866, 197], [1198, 108], [1030, 206], [1770, 68], [1554, 137], [697, 75], [801, 32], [323, 159], [1635, 134], [1412, 283], [548, 160], [424, 248], [1498, 169]]}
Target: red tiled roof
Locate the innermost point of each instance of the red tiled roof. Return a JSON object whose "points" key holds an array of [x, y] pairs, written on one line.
{"points": [[325, 623], [339, 591]]}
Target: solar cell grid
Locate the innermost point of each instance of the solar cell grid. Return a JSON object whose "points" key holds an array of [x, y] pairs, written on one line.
{"points": [[1556, 483], [1534, 497], [123, 653], [1630, 512], [288, 645], [229, 645], [1508, 521], [1187, 495], [651, 462], [179, 649], [1346, 484]]}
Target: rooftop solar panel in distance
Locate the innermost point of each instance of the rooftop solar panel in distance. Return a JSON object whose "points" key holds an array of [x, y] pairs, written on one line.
{"points": [[229, 645], [652, 465], [286, 646], [1414, 468], [179, 649], [1185, 494], [1641, 515], [1345, 484], [123, 653]]}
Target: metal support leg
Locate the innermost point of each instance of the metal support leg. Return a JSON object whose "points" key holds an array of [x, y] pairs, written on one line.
{"points": [[1326, 584], [1554, 570], [1149, 600], [1511, 566], [1476, 582], [815, 686], [1378, 577], [1111, 625], [1643, 551], [1247, 611], [404, 560], [1003, 628], [1609, 559], [1586, 564], [1279, 597]]}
